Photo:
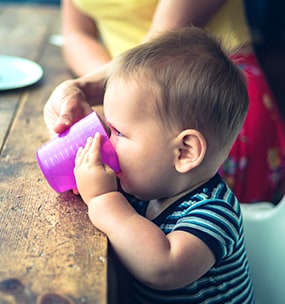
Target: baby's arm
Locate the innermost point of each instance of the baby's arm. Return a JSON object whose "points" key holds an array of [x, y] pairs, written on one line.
{"points": [[160, 261]]}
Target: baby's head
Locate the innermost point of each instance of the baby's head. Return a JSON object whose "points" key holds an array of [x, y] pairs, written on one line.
{"points": [[193, 86]]}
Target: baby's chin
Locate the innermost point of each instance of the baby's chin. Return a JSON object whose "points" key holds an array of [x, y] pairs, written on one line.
{"points": [[127, 189]]}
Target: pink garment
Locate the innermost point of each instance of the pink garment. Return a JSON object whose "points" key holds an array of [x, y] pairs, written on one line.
{"points": [[255, 167]]}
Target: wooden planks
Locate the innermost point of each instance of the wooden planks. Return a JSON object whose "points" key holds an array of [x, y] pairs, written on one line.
{"points": [[49, 250]]}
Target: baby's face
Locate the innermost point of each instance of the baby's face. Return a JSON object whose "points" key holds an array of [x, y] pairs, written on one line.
{"points": [[144, 149]]}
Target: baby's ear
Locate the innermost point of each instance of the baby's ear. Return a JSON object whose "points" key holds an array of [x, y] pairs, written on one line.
{"points": [[191, 150]]}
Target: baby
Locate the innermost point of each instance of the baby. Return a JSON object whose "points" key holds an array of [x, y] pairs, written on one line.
{"points": [[174, 107]]}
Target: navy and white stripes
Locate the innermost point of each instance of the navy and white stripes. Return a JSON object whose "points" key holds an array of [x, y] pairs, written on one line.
{"points": [[212, 214]]}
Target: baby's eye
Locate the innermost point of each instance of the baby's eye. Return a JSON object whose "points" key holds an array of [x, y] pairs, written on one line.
{"points": [[117, 132]]}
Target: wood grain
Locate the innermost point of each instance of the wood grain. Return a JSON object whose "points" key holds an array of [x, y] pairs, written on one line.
{"points": [[49, 250]]}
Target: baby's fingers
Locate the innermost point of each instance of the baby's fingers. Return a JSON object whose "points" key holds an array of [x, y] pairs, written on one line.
{"points": [[79, 156], [88, 144], [82, 153], [95, 149]]}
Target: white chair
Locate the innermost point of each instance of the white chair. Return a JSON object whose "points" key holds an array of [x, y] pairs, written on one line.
{"points": [[264, 226]]}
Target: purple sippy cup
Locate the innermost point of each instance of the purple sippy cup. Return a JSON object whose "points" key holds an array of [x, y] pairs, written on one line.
{"points": [[56, 158]]}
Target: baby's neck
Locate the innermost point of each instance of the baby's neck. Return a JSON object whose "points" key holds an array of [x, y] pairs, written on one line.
{"points": [[157, 206]]}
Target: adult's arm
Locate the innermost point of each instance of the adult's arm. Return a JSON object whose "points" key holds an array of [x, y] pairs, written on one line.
{"points": [[82, 48]]}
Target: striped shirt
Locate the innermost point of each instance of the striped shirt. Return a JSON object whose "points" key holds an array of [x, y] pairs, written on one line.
{"points": [[211, 213]]}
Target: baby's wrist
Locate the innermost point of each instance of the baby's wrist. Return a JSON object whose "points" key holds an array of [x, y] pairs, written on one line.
{"points": [[103, 206], [103, 198]]}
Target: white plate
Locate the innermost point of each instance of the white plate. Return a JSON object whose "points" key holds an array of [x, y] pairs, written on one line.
{"points": [[17, 72]]}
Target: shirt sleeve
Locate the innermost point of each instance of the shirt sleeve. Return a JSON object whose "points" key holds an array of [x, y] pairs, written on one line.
{"points": [[216, 223]]}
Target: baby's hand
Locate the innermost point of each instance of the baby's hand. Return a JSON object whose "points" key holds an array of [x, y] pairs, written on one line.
{"points": [[93, 178]]}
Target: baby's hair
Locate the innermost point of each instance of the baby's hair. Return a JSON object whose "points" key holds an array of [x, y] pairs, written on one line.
{"points": [[196, 84]]}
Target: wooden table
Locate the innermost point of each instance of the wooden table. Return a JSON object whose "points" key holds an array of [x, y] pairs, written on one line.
{"points": [[49, 250]]}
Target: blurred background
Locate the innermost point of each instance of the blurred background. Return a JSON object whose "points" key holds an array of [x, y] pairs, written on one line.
{"points": [[53, 2], [266, 19]]}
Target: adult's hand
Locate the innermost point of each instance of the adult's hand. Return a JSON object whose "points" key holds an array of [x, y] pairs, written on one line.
{"points": [[66, 105], [73, 99]]}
